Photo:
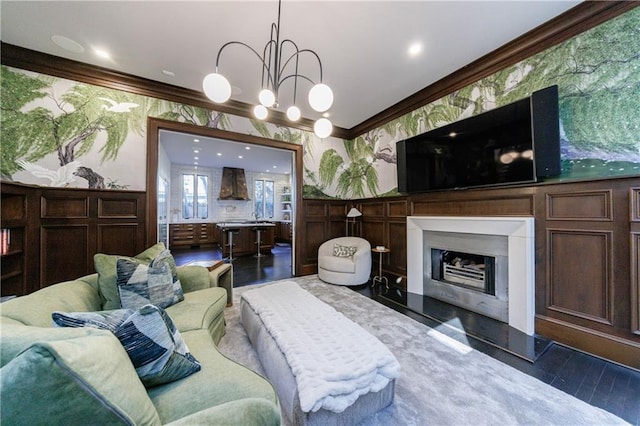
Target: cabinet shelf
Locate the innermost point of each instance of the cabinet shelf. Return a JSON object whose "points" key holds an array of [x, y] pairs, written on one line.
{"points": [[12, 253], [10, 275]]}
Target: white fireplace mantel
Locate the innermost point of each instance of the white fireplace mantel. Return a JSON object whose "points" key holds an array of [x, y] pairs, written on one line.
{"points": [[521, 253]]}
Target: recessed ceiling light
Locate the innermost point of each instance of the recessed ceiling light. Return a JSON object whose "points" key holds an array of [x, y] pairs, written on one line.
{"points": [[195, 162], [452, 134], [239, 156], [415, 49], [219, 154], [326, 115], [195, 158], [102, 53], [195, 151], [247, 147], [168, 73], [67, 44], [275, 167], [196, 140]]}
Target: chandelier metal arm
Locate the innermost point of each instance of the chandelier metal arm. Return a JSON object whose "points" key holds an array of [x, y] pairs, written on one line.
{"points": [[274, 65], [264, 64]]}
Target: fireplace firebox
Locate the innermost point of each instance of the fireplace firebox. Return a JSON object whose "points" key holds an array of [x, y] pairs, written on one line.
{"points": [[471, 271]]}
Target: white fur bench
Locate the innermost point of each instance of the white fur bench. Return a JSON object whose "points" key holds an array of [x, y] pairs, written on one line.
{"points": [[280, 373]]}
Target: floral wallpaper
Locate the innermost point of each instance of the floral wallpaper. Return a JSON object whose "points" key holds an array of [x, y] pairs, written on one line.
{"points": [[61, 133], [598, 75], [57, 132]]}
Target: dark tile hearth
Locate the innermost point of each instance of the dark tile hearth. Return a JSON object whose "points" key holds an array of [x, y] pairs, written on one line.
{"points": [[598, 382], [594, 380], [483, 328]]}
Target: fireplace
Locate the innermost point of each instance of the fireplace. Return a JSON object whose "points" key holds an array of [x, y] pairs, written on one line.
{"points": [[467, 270], [483, 264]]}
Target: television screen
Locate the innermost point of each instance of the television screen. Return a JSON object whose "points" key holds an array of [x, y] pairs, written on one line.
{"points": [[493, 148]]}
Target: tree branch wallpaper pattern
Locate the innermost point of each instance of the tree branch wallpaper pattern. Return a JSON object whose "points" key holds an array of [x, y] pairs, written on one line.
{"points": [[57, 132], [598, 74]]}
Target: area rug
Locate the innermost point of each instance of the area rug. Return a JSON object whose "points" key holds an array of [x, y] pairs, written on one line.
{"points": [[442, 382]]}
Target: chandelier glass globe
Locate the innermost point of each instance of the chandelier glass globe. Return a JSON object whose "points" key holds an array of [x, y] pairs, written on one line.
{"points": [[261, 112], [320, 97], [323, 128], [293, 113], [216, 87], [266, 97]]}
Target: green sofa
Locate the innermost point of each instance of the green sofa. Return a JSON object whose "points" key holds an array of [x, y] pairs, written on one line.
{"points": [[84, 376]]}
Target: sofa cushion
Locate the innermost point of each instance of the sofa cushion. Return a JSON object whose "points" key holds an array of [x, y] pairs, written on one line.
{"points": [[220, 381], [150, 338], [35, 309], [105, 265], [344, 251], [156, 283], [16, 337], [338, 264], [75, 381], [199, 309]]}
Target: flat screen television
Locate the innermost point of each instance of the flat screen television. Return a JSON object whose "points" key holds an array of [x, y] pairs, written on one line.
{"points": [[515, 143]]}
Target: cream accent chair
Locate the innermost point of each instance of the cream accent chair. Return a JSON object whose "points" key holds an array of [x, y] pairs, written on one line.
{"points": [[353, 270]]}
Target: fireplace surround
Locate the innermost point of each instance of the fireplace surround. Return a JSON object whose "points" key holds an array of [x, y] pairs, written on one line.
{"points": [[509, 239]]}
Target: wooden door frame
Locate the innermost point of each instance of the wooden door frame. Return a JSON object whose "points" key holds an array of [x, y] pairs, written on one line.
{"points": [[154, 125]]}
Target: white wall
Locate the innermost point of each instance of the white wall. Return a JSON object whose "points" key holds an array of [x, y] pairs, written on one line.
{"points": [[224, 210]]}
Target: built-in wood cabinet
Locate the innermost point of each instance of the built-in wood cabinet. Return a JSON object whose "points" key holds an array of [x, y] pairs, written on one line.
{"points": [[587, 239], [56, 232], [192, 234], [14, 236]]}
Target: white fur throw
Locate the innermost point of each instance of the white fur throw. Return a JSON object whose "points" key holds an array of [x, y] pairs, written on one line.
{"points": [[333, 359]]}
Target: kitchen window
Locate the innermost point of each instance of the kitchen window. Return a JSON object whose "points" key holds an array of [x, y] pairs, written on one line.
{"points": [[195, 198], [263, 198]]}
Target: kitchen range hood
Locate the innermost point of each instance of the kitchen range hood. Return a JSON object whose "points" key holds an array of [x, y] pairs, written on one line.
{"points": [[233, 185]]}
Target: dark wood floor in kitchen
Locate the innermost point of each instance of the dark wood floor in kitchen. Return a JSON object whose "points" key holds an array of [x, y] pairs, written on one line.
{"points": [[598, 382]]}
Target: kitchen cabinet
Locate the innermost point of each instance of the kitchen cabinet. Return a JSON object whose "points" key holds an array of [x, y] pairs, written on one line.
{"points": [[283, 232], [192, 234]]}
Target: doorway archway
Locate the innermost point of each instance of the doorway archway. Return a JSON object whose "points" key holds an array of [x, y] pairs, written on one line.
{"points": [[155, 125]]}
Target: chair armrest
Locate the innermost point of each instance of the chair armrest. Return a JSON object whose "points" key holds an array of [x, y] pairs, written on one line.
{"points": [[193, 278], [222, 276]]}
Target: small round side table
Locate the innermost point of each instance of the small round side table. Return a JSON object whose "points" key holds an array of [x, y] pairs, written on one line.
{"points": [[380, 278]]}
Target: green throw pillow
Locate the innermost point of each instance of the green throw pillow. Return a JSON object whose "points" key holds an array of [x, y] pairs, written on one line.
{"points": [[105, 265], [156, 283], [83, 380], [344, 251], [153, 343]]}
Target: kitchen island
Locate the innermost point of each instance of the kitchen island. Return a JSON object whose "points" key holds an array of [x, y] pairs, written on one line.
{"points": [[245, 237]]}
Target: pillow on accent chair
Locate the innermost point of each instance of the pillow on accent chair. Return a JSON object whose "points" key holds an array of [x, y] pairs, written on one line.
{"points": [[156, 283], [156, 348], [344, 251], [106, 267]]}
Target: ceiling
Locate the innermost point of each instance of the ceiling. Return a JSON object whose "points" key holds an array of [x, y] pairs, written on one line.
{"points": [[362, 44], [212, 152]]}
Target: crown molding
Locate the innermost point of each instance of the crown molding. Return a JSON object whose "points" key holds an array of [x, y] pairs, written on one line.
{"points": [[31, 60], [576, 20]]}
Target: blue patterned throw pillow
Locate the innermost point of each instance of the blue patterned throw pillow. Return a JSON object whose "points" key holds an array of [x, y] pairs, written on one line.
{"points": [[157, 283], [156, 348]]}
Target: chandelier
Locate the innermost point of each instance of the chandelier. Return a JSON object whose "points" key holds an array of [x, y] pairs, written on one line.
{"points": [[277, 67]]}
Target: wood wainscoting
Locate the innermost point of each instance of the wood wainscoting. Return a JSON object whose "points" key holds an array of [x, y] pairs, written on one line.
{"points": [[587, 240], [64, 228]]}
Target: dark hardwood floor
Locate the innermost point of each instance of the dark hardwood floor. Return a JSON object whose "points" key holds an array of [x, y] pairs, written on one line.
{"points": [[246, 269], [596, 381]]}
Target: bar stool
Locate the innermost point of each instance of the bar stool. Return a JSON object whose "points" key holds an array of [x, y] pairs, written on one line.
{"points": [[230, 232], [258, 230]]}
